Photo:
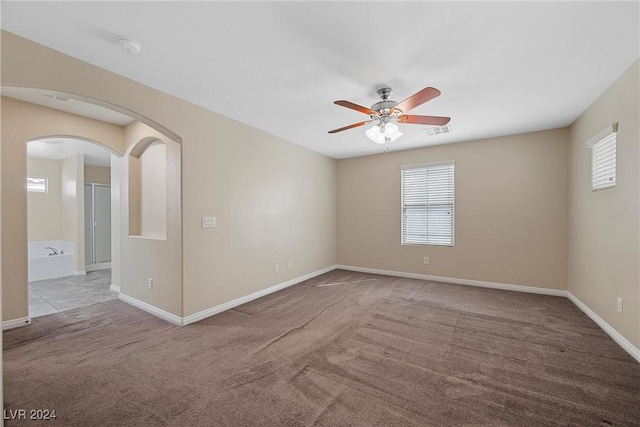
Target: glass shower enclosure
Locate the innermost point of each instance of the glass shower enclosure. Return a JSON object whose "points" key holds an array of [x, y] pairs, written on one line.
{"points": [[97, 226]]}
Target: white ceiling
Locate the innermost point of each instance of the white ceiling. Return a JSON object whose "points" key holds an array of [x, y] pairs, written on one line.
{"points": [[503, 68]]}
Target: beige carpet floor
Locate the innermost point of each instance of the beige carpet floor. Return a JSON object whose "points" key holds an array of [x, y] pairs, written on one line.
{"points": [[342, 349]]}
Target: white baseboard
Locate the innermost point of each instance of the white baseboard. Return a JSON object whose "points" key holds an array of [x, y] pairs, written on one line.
{"points": [[181, 321], [467, 282], [176, 320], [615, 335], [622, 341], [242, 300], [80, 273], [16, 323], [169, 317], [114, 288]]}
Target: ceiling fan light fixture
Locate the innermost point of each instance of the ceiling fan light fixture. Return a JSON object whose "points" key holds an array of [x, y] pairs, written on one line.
{"points": [[395, 136], [390, 133], [386, 112], [390, 130], [374, 134]]}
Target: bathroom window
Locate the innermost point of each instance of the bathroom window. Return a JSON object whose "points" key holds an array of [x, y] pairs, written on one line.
{"points": [[36, 184]]}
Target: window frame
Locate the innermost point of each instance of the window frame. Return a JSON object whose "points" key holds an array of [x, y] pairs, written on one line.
{"points": [[601, 138], [46, 184], [451, 163]]}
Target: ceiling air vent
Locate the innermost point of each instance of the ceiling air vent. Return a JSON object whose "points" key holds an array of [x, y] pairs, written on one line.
{"points": [[433, 131], [57, 98]]}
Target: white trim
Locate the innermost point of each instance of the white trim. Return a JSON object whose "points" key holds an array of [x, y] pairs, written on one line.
{"points": [[181, 321], [16, 323], [622, 341], [169, 317], [467, 282], [242, 300], [80, 273], [612, 128], [114, 288], [615, 335], [422, 165]]}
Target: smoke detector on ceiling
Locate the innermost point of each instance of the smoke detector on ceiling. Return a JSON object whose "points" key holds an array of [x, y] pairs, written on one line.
{"points": [[438, 130], [129, 45]]}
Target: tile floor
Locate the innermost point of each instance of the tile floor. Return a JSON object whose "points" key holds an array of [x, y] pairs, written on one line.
{"points": [[64, 293]]}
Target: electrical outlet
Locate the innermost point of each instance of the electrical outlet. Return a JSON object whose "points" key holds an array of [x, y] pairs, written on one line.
{"points": [[289, 265], [276, 268], [620, 307], [208, 222], [426, 260], [150, 283]]}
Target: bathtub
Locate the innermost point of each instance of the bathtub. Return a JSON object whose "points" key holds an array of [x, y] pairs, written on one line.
{"points": [[44, 266]]}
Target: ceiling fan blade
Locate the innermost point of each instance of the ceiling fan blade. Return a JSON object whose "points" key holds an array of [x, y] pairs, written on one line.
{"points": [[355, 125], [356, 107], [424, 120], [426, 94]]}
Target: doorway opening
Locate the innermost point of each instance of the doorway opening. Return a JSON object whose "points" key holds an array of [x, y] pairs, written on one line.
{"points": [[69, 224], [45, 117]]}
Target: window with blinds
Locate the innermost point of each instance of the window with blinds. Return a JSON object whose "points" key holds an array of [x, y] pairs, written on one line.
{"points": [[36, 185], [428, 204], [603, 165]]}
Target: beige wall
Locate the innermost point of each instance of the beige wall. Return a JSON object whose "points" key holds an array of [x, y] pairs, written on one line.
{"points": [[73, 205], [97, 174], [150, 257], [604, 225], [116, 219], [1, 282], [45, 219], [510, 207], [153, 191], [22, 122], [274, 201], [54, 215]]}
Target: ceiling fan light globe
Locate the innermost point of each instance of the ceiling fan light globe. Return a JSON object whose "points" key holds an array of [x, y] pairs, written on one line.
{"points": [[390, 130], [395, 136], [374, 134]]}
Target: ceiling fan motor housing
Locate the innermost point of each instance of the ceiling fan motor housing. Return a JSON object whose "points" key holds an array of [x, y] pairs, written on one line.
{"points": [[385, 93], [386, 106]]}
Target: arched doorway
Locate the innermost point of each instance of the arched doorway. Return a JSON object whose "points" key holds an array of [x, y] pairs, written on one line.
{"points": [[69, 224], [25, 121]]}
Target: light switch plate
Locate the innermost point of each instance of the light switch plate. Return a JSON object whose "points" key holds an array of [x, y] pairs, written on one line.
{"points": [[208, 221]]}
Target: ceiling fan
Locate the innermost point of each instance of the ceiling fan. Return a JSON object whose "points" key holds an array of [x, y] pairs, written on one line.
{"points": [[386, 112]]}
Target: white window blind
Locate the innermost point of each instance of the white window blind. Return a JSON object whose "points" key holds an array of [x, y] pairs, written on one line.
{"points": [[603, 172], [428, 204], [36, 185]]}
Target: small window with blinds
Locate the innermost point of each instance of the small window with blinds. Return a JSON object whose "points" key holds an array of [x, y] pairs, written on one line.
{"points": [[36, 184], [428, 204], [603, 165]]}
